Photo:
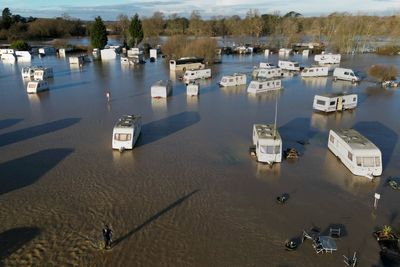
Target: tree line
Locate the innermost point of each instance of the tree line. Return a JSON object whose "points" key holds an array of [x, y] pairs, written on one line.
{"points": [[15, 27], [343, 32]]}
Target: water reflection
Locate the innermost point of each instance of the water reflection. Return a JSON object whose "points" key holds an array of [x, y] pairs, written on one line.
{"points": [[35, 99], [159, 105], [192, 101], [267, 172], [174, 74], [326, 121], [339, 175], [76, 67], [314, 82], [264, 97], [340, 86], [121, 160], [233, 90]]}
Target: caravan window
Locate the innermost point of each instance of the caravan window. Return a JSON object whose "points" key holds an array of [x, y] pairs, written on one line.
{"points": [[346, 73], [332, 139], [368, 162], [354, 99], [230, 80], [260, 86], [350, 156], [320, 102], [264, 149], [272, 149], [332, 103], [377, 161], [122, 137]]}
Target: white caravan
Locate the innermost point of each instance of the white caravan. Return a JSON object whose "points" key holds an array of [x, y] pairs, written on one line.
{"points": [[136, 55], [334, 102], [192, 89], [289, 65], [233, 80], [79, 59], [285, 51], [48, 50], [264, 86], [153, 54], [161, 89], [108, 54], [345, 74], [267, 142], [267, 73], [126, 132], [36, 87], [43, 74], [127, 61], [9, 58], [191, 75], [28, 72], [266, 65], [356, 152], [186, 63], [314, 72], [23, 56], [328, 58], [96, 52]]}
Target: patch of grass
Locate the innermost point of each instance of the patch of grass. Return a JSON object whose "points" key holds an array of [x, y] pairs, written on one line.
{"points": [[383, 72], [388, 50]]}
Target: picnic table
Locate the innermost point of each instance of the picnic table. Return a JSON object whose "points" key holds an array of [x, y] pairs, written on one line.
{"points": [[325, 244]]}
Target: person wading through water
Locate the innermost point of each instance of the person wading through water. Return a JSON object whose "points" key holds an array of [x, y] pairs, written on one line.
{"points": [[107, 235]]}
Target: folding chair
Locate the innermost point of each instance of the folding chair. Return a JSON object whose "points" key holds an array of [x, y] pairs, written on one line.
{"points": [[351, 262], [334, 232], [318, 246]]}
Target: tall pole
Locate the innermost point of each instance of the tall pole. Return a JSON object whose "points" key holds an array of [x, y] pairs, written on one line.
{"points": [[276, 114]]}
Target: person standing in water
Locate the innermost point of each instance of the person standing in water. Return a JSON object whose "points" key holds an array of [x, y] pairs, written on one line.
{"points": [[107, 235]]}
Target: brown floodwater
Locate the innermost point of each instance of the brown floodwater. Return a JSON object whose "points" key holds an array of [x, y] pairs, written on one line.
{"points": [[189, 193]]}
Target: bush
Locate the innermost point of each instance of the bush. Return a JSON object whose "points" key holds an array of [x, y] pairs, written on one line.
{"points": [[388, 50], [383, 72], [181, 46], [20, 45]]}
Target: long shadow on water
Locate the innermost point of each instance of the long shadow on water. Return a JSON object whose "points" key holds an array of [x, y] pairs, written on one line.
{"points": [[27, 133], [154, 217], [297, 133], [24, 171], [156, 130], [8, 123], [383, 137], [63, 86], [13, 239]]}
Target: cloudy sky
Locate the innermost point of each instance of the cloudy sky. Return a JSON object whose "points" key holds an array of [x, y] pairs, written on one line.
{"points": [[88, 9]]}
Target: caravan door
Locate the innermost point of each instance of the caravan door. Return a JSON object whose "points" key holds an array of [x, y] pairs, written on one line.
{"points": [[339, 103]]}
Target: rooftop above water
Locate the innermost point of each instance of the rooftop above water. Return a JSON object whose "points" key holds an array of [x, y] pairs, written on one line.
{"points": [[355, 139]]}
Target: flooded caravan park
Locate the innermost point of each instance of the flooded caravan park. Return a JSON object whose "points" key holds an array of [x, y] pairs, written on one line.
{"points": [[189, 193]]}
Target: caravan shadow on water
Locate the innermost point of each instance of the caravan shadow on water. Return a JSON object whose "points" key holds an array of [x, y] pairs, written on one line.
{"points": [[34, 166], [13, 239], [381, 135], [296, 134], [34, 131], [159, 129], [8, 123]]}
